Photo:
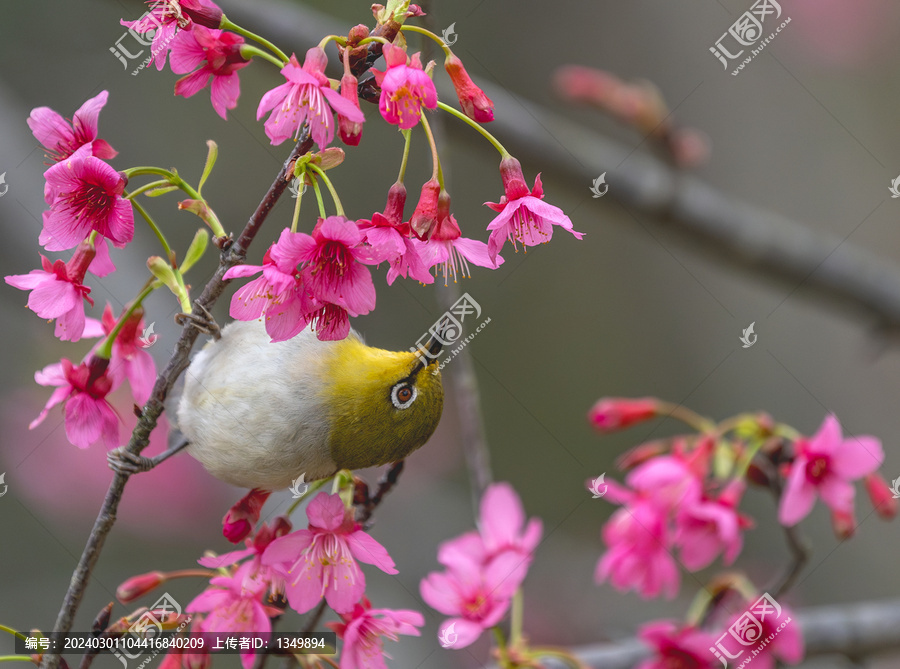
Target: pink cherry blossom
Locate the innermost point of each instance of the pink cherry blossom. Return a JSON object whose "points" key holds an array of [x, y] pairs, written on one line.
{"points": [[475, 596], [390, 239], [333, 258], [448, 249], [130, 361], [677, 647], [255, 547], [278, 295], [85, 195], [62, 138], [238, 523], [57, 291], [321, 561], [405, 88], [707, 527], [101, 266], [523, 216], [83, 390], [306, 96], [639, 558], [363, 631], [233, 608], [166, 18], [825, 465], [209, 55]]}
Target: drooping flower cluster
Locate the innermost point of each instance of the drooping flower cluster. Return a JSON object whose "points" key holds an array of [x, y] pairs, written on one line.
{"points": [[483, 568]]}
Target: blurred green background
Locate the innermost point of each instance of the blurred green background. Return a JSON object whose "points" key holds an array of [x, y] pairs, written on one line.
{"points": [[807, 130]]}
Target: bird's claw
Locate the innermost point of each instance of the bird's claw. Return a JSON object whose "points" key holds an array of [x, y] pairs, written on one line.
{"points": [[122, 461], [203, 321]]}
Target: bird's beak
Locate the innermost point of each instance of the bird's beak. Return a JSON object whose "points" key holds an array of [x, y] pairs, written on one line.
{"points": [[433, 347]]}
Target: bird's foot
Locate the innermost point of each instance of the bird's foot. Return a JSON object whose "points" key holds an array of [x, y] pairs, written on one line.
{"points": [[202, 320], [122, 461]]}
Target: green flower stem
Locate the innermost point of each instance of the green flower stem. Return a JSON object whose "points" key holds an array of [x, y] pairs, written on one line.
{"points": [[296, 217], [745, 461], [15, 658], [436, 172], [501, 646], [427, 33], [407, 136], [105, 349], [787, 432], [152, 224], [175, 180], [228, 25], [516, 619], [335, 38], [169, 175], [488, 136], [315, 185], [374, 38], [10, 630], [248, 51], [162, 183], [686, 416], [313, 487], [334, 196]]}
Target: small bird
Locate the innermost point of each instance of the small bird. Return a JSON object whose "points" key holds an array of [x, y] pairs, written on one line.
{"points": [[258, 414]]}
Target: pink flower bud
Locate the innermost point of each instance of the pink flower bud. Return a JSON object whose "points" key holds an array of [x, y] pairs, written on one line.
{"points": [[425, 216], [349, 130], [881, 495], [844, 523], [204, 14], [615, 413], [475, 104], [138, 586], [238, 523]]}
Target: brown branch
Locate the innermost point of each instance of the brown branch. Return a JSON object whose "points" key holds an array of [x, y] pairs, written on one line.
{"points": [[232, 254], [852, 630]]}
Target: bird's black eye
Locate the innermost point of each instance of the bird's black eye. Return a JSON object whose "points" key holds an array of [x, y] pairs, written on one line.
{"points": [[403, 394]]}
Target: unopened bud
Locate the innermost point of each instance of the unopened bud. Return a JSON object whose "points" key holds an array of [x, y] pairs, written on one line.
{"points": [[614, 413], [138, 586], [882, 496]]}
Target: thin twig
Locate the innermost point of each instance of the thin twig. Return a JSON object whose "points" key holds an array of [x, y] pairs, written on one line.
{"points": [[367, 504]]}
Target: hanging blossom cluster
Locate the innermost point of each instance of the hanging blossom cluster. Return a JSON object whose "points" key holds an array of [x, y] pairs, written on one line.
{"points": [[679, 509]]}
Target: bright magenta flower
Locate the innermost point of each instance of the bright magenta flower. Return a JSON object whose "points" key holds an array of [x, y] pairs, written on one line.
{"points": [[475, 596], [448, 249], [62, 138], [707, 527], [523, 216], [85, 194], [405, 88], [58, 292], [333, 258], [825, 465], [209, 55], [130, 361], [306, 96], [390, 239], [425, 215], [677, 647], [349, 130], [241, 518], [473, 101], [83, 389], [231, 607], [321, 561], [167, 17], [363, 629], [278, 294], [256, 571], [616, 413]]}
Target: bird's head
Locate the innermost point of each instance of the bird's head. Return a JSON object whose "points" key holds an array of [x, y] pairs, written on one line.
{"points": [[382, 404]]}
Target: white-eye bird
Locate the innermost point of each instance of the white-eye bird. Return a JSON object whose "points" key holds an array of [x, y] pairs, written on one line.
{"points": [[259, 414]]}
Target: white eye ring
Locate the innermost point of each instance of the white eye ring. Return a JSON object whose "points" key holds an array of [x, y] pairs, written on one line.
{"points": [[395, 392]]}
